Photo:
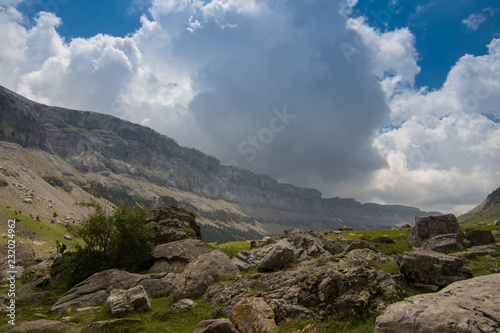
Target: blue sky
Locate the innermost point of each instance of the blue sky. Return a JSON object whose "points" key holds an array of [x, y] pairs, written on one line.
{"points": [[384, 101]]}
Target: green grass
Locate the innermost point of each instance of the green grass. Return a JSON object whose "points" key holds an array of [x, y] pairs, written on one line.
{"points": [[40, 235], [356, 324], [231, 248]]}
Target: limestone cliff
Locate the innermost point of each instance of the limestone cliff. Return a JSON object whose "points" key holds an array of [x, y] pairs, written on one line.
{"points": [[104, 147]]}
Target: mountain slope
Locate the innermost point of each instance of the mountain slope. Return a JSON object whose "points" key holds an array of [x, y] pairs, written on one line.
{"points": [[488, 211], [86, 154]]}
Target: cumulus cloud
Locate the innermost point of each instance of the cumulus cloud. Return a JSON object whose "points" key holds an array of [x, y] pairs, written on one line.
{"points": [[297, 90]]}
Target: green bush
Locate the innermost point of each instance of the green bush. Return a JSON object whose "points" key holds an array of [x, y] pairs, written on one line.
{"points": [[121, 240]]}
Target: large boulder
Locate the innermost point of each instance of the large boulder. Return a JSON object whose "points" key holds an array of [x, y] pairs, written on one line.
{"points": [[96, 289], [444, 243], [466, 306], [174, 256], [429, 226], [253, 315], [201, 273], [280, 254], [172, 224], [479, 237], [432, 268]]}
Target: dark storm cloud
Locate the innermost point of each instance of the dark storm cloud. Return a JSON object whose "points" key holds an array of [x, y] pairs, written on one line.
{"points": [[278, 95]]}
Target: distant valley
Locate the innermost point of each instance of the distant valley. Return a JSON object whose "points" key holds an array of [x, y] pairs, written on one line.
{"points": [[52, 157]]}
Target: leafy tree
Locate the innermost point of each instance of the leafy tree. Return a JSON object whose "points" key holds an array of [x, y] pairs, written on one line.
{"points": [[121, 240]]}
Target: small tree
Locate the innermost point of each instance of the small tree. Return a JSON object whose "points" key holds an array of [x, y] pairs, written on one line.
{"points": [[121, 240]]}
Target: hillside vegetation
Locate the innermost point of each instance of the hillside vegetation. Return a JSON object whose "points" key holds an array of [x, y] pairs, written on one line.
{"points": [[488, 211]]}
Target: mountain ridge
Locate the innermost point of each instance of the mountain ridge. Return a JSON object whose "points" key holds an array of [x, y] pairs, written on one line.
{"points": [[123, 155]]}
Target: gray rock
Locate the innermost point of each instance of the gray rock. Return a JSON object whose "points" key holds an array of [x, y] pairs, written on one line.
{"points": [[360, 244], [58, 273], [281, 254], [24, 255], [172, 224], [96, 289], [496, 222], [38, 325], [343, 287], [479, 237], [201, 273], [35, 298], [174, 256], [495, 233], [222, 325], [121, 301], [433, 268], [429, 226], [183, 305], [444, 243], [466, 306]]}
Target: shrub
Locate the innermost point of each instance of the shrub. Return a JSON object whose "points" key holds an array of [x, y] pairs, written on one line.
{"points": [[121, 240]]}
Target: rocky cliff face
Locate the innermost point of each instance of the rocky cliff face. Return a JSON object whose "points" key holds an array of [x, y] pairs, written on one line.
{"points": [[97, 144]]}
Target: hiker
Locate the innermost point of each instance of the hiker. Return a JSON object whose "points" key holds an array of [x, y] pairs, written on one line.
{"points": [[60, 247]]}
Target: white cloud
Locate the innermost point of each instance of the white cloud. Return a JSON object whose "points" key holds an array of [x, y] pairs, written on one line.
{"points": [[210, 74], [474, 20]]}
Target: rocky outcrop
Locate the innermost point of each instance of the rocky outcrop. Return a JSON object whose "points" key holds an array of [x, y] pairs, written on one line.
{"points": [[432, 269], [427, 227], [280, 254], [23, 254], [111, 324], [183, 305], [344, 287], [466, 306], [222, 325], [253, 315], [174, 256], [201, 273], [96, 289], [173, 224]]}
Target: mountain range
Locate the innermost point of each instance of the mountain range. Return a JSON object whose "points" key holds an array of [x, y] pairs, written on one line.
{"points": [[52, 157]]}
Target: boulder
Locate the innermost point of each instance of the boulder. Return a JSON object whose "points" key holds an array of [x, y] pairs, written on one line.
{"points": [[253, 315], [432, 268], [496, 222], [68, 237], [96, 289], [444, 243], [479, 237], [429, 226], [405, 226], [222, 325], [172, 224], [280, 254], [34, 298], [495, 233], [57, 271], [360, 244], [121, 301], [201, 273], [182, 306], [466, 306], [174, 256], [39, 325]]}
